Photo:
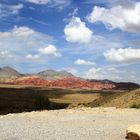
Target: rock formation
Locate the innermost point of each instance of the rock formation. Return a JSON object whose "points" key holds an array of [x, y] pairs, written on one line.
{"points": [[133, 132], [59, 79]]}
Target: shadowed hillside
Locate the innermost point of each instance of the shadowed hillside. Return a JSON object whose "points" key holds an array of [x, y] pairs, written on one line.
{"points": [[121, 100]]}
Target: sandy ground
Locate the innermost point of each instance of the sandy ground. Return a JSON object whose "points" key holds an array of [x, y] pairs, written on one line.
{"points": [[72, 124]]}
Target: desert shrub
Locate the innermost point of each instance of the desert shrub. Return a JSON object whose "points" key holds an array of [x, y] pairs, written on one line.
{"points": [[134, 105], [77, 105], [41, 102]]}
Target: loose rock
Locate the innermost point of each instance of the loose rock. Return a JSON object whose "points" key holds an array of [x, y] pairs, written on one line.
{"points": [[133, 132]]}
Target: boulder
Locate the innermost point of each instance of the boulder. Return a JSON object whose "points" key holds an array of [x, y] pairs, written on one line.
{"points": [[133, 132]]}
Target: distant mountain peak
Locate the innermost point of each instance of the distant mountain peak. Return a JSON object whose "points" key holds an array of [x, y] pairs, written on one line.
{"points": [[7, 73], [53, 74], [53, 78]]}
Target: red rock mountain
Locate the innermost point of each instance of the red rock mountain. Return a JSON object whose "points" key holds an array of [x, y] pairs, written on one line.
{"points": [[67, 82], [59, 79], [29, 80]]}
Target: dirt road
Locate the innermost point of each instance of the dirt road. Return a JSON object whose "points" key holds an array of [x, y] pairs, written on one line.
{"points": [[72, 124]]}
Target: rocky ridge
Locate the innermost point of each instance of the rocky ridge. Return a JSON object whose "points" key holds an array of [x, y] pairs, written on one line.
{"points": [[59, 79]]}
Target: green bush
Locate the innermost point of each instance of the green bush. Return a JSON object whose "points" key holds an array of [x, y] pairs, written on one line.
{"points": [[41, 102], [135, 105]]}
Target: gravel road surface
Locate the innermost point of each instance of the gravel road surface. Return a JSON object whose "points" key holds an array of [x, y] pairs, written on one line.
{"points": [[71, 124]]}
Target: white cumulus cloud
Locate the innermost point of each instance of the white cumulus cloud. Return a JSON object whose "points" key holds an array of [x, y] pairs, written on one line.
{"points": [[112, 73], [76, 31], [119, 16], [23, 42], [49, 50], [18, 32], [72, 70], [32, 57], [127, 55], [83, 62]]}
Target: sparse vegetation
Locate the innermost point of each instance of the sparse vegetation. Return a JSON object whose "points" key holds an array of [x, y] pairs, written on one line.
{"points": [[41, 102], [76, 105], [127, 99], [18, 99], [135, 105], [14, 99]]}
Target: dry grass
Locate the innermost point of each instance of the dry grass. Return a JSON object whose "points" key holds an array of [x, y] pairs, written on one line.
{"points": [[76, 98], [120, 100], [15, 98]]}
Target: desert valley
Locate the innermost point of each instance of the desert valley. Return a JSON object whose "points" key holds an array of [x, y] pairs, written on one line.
{"points": [[21, 92], [69, 69], [69, 100]]}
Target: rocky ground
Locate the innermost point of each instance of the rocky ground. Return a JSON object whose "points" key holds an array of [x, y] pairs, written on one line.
{"points": [[71, 124]]}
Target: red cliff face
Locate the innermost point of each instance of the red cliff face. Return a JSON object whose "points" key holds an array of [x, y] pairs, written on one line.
{"points": [[60, 79], [72, 82], [67, 82], [33, 80]]}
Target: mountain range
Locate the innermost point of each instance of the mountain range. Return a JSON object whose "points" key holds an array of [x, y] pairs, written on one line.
{"points": [[52, 74], [8, 73], [61, 79]]}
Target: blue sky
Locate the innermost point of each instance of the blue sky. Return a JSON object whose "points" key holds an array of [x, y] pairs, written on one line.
{"points": [[90, 38]]}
